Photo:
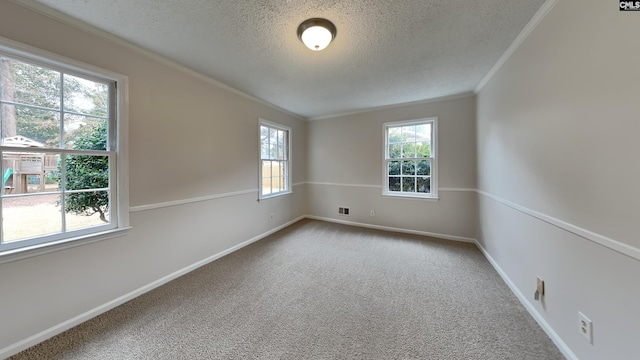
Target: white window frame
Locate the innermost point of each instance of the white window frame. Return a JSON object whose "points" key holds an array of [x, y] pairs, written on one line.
{"points": [[287, 160], [118, 155], [433, 195]]}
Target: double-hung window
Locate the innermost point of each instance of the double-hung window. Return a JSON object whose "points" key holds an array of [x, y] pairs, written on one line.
{"points": [[410, 166], [60, 149], [274, 159]]}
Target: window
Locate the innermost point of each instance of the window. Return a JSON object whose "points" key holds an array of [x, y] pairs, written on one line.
{"points": [[410, 158], [274, 159], [59, 130]]}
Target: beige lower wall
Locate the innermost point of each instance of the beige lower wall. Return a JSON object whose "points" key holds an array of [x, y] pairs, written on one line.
{"points": [[452, 216]]}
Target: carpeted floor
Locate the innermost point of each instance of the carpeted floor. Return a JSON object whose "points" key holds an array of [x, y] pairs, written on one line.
{"points": [[318, 290]]}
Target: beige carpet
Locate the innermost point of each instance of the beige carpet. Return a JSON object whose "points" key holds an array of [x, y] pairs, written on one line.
{"points": [[317, 290]]}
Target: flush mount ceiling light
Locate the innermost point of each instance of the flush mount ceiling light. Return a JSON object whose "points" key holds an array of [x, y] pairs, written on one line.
{"points": [[316, 33]]}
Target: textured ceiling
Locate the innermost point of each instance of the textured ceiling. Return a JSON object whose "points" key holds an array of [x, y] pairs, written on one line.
{"points": [[385, 53]]}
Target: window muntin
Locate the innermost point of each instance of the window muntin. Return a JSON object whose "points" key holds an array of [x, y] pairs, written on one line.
{"points": [[274, 159], [58, 127], [410, 158]]}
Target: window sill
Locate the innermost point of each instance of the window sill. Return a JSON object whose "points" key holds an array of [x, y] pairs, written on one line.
{"points": [[275, 195], [410, 196], [41, 249]]}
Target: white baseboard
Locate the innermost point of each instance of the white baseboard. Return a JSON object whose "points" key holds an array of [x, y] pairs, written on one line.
{"points": [[66, 325], [57, 329], [566, 351], [388, 228]]}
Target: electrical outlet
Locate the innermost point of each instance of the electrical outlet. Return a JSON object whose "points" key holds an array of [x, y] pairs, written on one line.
{"points": [[340, 210], [271, 216], [372, 213], [346, 211], [585, 326]]}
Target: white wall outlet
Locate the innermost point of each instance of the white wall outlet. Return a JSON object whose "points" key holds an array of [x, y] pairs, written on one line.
{"points": [[585, 326], [271, 216], [372, 213]]}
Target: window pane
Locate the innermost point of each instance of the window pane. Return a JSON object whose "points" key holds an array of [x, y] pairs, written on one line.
{"points": [[395, 151], [86, 209], [282, 174], [87, 172], [264, 142], [267, 177], [424, 184], [85, 96], [85, 133], [266, 186], [27, 217], [394, 135], [273, 143], [424, 167], [281, 144], [423, 132], [30, 172], [423, 149], [30, 84], [266, 168], [30, 127], [409, 133], [408, 150], [408, 168], [281, 152], [394, 168], [394, 183], [408, 184]]}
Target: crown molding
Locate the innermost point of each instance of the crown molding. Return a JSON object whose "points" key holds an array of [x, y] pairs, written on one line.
{"points": [[393, 106], [524, 34]]}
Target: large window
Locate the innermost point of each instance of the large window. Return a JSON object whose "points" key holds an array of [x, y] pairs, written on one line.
{"points": [[274, 159], [410, 158], [59, 150]]}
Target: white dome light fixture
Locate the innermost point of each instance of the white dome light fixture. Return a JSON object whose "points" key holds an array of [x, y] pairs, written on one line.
{"points": [[316, 33]]}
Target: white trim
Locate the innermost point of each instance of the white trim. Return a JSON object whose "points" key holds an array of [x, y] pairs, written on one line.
{"points": [[89, 29], [140, 208], [524, 34], [400, 230], [393, 106], [288, 160], [433, 138], [378, 186], [400, 195], [562, 346], [49, 247], [66, 325], [458, 189], [612, 244], [342, 184]]}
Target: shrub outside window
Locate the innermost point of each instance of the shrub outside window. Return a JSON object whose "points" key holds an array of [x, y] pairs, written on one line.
{"points": [[410, 158], [59, 149]]}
